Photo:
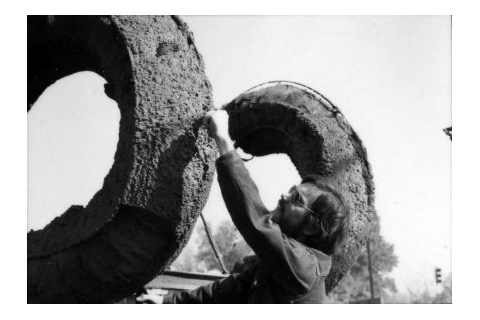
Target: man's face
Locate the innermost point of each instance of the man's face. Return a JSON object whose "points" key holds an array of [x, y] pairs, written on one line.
{"points": [[293, 208]]}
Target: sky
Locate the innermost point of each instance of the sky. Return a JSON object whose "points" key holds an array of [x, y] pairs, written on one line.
{"points": [[390, 76]]}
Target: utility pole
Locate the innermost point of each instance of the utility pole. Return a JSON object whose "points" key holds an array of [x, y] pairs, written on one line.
{"points": [[372, 299], [372, 292]]}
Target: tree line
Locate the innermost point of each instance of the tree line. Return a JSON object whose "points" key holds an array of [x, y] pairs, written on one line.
{"points": [[198, 256]]}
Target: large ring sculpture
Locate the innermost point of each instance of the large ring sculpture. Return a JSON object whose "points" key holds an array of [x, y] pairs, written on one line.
{"points": [[286, 117], [143, 215]]}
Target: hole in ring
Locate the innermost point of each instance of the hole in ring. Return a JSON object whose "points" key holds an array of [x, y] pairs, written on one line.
{"points": [[72, 137]]}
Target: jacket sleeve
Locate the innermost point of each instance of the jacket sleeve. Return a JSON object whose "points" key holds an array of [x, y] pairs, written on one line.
{"points": [[233, 289], [290, 263]]}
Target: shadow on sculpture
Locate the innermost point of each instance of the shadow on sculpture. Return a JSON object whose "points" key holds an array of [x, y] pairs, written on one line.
{"points": [[142, 217], [139, 221]]}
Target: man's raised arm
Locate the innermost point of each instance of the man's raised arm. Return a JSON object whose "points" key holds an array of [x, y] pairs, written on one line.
{"points": [[278, 253]]}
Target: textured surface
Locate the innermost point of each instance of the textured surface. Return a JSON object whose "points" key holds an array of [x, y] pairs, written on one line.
{"points": [[159, 182], [292, 119]]}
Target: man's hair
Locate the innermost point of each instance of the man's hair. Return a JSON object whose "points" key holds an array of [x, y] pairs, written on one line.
{"points": [[331, 217]]}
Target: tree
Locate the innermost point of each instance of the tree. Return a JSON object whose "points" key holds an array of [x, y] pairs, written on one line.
{"points": [[199, 256], [356, 283], [444, 296], [186, 261], [231, 246]]}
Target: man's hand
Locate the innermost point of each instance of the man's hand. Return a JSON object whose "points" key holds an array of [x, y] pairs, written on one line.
{"points": [[217, 123], [153, 296]]}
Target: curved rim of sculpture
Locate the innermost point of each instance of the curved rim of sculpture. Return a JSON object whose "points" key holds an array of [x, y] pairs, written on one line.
{"points": [[141, 218], [163, 168], [291, 118]]}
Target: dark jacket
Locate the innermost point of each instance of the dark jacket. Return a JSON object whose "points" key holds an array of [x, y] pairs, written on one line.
{"points": [[287, 271]]}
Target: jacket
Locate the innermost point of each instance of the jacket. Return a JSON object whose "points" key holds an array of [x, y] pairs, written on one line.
{"points": [[287, 271]]}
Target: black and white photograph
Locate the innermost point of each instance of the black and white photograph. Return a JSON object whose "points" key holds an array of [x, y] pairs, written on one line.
{"points": [[241, 159]]}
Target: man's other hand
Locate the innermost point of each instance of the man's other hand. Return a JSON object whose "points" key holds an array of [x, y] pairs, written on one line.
{"points": [[152, 296]]}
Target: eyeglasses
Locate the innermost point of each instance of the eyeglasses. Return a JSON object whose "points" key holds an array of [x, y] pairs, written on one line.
{"points": [[295, 200]]}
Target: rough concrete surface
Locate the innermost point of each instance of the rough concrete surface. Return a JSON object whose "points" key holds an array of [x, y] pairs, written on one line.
{"points": [[139, 221], [142, 217], [295, 120]]}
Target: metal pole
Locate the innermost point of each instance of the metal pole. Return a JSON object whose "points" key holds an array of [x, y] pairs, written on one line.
{"points": [[372, 293], [214, 247]]}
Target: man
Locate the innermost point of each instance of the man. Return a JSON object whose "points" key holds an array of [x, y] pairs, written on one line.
{"points": [[293, 242]]}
